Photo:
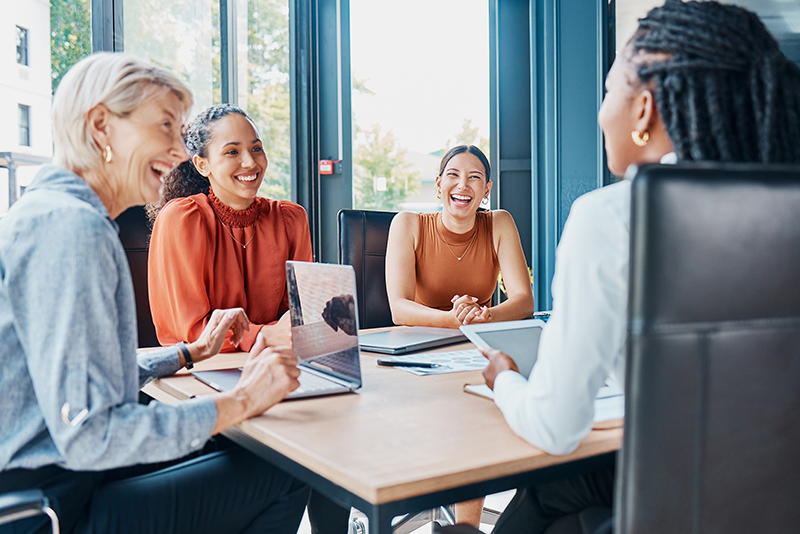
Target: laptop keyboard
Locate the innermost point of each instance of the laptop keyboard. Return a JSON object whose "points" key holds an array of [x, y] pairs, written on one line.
{"points": [[310, 383], [345, 362]]}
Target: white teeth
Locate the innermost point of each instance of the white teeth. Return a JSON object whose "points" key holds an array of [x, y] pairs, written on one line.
{"points": [[461, 197], [247, 177], [161, 169]]}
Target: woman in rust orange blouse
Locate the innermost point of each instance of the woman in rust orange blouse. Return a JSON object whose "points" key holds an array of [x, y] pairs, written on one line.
{"points": [[215, 242]]}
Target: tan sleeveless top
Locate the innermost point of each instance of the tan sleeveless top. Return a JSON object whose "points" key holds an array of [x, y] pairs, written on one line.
{"points": [[440, 275]]}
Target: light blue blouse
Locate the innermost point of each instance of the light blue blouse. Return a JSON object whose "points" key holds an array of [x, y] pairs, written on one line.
{"points": [[68, 336]]}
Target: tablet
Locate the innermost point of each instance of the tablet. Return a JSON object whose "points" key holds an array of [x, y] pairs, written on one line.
{"points": [[518, 339]]}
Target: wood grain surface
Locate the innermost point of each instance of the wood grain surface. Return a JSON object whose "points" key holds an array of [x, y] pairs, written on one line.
{"points": [[399, 436]]}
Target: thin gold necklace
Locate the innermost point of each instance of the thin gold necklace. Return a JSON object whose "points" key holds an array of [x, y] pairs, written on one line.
{"points": [[231, 234], [474, 235]]}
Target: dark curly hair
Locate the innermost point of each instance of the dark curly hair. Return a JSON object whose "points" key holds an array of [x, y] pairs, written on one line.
{"points": [[184, 180], [724, 89]]}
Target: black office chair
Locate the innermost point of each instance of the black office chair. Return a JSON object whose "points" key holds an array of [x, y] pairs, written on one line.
{"points": [[18, 505], [711, 424], [134, 232], [362, 243], [711, 429]]}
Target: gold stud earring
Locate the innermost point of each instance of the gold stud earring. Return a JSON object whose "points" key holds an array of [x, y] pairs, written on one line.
{"points": [[107, 154], [640, 139]]}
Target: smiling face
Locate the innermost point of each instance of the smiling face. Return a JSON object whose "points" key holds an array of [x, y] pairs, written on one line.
{"points": [[236, 161], [146, 145], [463, 185]]}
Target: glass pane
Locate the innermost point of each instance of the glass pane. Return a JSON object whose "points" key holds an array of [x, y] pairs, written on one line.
{"points": [[22, 46], [781, 17], [415, 97], [179, 35], [265, 91], [71, 35], [50, 38]]}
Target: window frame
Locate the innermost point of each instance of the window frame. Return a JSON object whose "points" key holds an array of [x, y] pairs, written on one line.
{"points": [[22, 48], [24, 129]]}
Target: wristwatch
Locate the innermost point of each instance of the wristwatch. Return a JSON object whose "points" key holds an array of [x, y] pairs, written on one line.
{"points": [[186, 356]]}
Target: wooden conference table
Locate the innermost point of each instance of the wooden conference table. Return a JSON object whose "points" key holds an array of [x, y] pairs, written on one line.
{"points": [[401, 444]]}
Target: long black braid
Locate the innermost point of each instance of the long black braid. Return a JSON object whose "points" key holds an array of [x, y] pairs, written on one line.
{"points": [[724, 89], [184, 180]]}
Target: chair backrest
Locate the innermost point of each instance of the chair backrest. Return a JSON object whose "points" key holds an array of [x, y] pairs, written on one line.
{"points": [[362, 243], [713, 370], [134, 232]]}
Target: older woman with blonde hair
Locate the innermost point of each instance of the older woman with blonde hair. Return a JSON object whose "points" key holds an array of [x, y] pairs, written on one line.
{"points": [[71, 422]]}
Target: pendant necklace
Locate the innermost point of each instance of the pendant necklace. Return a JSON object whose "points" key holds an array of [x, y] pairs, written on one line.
{"points": [[441, 234], [243, 245]]}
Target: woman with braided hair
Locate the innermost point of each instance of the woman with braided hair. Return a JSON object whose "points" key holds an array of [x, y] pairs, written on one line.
{"points": [[698, 81]]}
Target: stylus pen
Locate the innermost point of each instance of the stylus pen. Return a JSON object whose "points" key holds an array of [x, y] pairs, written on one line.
{"points": [[396, 363]]}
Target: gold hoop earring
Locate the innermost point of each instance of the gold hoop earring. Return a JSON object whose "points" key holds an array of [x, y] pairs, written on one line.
{"points": [[107, 154], [485, 201], [640, 139], [438, 193]]}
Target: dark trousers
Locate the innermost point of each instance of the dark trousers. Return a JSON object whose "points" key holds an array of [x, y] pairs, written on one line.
{"points": [[534, 509], [226, 491], [327, 516]]}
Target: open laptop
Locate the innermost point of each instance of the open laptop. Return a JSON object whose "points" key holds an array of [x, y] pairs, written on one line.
{"points": [[322, 305], [410, 339]]}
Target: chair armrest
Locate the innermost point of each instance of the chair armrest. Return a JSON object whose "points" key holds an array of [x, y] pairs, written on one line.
{"points": [[20, 504]]}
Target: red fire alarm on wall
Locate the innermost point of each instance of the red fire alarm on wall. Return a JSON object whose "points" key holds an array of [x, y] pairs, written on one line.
{"points": [[330, 166]]}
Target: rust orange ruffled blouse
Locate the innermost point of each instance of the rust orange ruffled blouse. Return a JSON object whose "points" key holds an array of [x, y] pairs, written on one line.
{"points": [[205, 255]]}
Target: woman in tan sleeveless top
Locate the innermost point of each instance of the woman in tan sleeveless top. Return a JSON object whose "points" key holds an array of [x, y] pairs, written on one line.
{"points": [[441, 268]]}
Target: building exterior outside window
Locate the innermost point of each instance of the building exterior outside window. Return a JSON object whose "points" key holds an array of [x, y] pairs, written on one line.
{"points": [[24, 125], [26, 141], [22, 46]]}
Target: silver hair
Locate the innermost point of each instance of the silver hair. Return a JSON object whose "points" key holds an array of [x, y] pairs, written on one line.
{"points": [[121, 82]]}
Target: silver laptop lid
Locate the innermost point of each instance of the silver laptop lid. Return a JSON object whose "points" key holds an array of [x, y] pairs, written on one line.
{"points": [[322, 303]]}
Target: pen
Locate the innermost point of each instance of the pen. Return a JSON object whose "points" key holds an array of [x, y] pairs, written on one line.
{"points": [[398, 363]]}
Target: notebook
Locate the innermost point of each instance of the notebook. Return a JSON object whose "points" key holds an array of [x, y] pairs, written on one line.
{"points": [[410, 339], [322, 304]]}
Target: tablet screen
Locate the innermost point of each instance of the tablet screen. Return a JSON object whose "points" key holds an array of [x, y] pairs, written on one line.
{"points": [[519, 343]]}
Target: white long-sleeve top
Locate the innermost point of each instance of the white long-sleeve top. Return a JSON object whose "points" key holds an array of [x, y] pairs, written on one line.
{"points": [[583, 342]]}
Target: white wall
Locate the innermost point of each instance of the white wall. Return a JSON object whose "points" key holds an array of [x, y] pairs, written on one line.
{"points": [[31, 85]]}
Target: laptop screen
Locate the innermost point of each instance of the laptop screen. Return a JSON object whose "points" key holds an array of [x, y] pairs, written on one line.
{"points": [[322, 303]]}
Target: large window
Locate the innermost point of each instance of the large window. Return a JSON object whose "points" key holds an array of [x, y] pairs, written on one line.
{"points": [[420, 85], [245, 63], [50, 37], [179, 35], [267, 95], [22, 46]]}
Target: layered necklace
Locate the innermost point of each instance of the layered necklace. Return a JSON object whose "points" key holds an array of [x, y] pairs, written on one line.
{"points": [[469, 245]]}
